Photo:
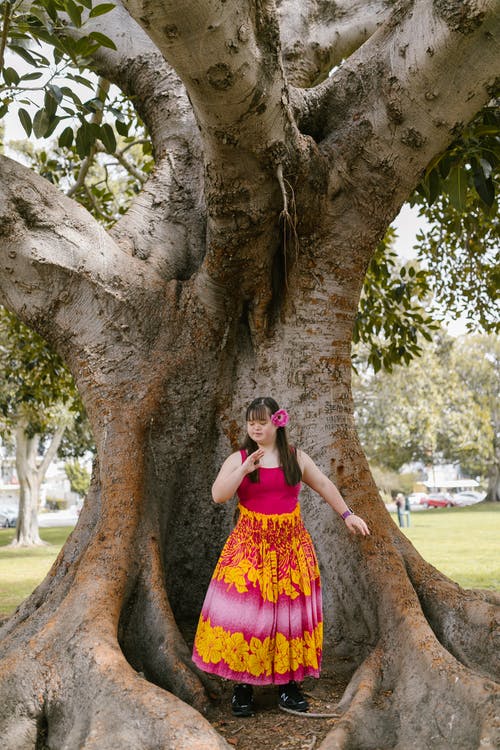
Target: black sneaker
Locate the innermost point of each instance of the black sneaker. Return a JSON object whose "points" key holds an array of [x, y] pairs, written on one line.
{"points": [[242, 700], [291, 697]]}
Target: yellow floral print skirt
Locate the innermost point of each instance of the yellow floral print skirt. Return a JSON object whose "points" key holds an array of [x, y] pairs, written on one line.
{"points": [[261, 621]]}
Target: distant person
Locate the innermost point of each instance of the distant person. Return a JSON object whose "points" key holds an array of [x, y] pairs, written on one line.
{"points": [[400, 502]]}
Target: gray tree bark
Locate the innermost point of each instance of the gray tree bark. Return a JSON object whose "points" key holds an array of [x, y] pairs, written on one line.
{"points": [[237, 272], [31, 473]]}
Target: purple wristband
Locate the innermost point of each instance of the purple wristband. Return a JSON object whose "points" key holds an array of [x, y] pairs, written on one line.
{"points": [[347, 513]]}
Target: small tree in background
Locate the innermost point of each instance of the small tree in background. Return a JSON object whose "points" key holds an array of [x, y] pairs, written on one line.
{"points": [[38, 403], [79, 477], [442, 408]]}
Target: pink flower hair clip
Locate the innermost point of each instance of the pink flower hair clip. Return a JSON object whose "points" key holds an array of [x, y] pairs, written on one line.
{"points": [[280, 418]]}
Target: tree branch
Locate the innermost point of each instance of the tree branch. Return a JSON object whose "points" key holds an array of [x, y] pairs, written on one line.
{"points": [[168, 231], [51, 451], [231, 66], [63, 275], [399, 100], [317, 36], [127, 165], [232, 73]]}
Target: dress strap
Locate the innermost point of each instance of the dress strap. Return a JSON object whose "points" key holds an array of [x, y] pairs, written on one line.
{"points": [[243, 455]]}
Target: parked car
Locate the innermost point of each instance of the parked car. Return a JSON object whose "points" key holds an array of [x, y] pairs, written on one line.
{"points": [[437, 500], [414, 499], [8, 518], [468, 497]]}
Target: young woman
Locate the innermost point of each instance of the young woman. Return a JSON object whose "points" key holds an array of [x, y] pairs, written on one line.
{"points": [[261, 622]]}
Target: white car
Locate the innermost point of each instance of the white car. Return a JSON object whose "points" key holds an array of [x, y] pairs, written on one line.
{"points": [[8, 518], [414, 500], [468, 498]]}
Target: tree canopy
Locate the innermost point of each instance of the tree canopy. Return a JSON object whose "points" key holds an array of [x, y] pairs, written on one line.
{"points": [[439, 409]]}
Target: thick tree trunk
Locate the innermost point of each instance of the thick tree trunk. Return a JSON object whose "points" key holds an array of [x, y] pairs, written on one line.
{"points": [[170, 330]]}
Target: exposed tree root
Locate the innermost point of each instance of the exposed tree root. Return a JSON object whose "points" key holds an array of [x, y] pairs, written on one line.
{"points": [[94, 700], [66, 682], [70, 686], [423, 686], [164, 657], [415, 698], [466, 622]]}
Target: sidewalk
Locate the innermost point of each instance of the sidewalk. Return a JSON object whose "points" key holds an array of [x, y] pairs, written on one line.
{"points": [[57, 518]]}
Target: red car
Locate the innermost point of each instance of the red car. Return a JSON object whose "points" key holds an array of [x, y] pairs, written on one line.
{"points": [[437, 500]]}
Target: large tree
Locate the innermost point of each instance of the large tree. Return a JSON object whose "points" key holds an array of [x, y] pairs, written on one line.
{"points": [[237, 270]]}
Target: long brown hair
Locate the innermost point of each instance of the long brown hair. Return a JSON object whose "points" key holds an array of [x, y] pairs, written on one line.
{"points": [[262, 408]]}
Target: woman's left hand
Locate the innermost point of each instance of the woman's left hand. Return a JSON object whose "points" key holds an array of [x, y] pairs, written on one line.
{"points": [[356, 525]]}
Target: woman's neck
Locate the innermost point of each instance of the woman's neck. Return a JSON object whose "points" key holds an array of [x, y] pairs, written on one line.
{"points": [[271, 455]]}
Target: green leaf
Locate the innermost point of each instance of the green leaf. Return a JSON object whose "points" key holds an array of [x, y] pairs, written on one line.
{"points": [[82, 80], [24, 54], [31, 76], [94, 105], [58, 55], [102, 39], [435, 188], [108, 139], [122, 127], [99, 10], [457, 188], [85, 139], [41, 122], [45, 36], [56, 92], [66, 138], [50, 104], [54, 122], [486, 167], [118, 114], [84, 47], [74, 12], [10, 76], [445, 165], [375, 362], [25, 121], [51, 9], [484, 187]]}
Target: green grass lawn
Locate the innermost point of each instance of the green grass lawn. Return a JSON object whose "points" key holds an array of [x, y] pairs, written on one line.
{"points": [[463, 543], [22, 569]]}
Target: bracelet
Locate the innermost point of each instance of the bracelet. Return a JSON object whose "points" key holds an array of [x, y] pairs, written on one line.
{"points": [[347, 513]]}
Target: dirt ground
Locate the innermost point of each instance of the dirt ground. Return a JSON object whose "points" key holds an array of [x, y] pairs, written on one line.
{"points": [[272, 728]]}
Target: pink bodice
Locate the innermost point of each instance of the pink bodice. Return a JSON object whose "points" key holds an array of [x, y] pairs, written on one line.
{"points": [[271, 494]]}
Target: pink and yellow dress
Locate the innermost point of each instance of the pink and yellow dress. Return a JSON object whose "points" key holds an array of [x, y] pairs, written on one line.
{"points": [[261, 620]]}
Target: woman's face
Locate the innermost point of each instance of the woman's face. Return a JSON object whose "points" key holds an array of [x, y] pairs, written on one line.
{"points": [[262, 430]]}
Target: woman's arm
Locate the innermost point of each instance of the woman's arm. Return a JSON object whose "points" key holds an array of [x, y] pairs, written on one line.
{"points": [[231, 475], [320, 483]]}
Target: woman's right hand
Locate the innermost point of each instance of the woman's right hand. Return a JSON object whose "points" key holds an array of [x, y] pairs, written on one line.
{"points": [[252, 461]]}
